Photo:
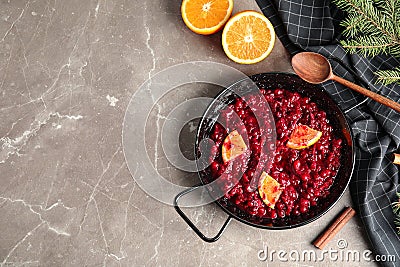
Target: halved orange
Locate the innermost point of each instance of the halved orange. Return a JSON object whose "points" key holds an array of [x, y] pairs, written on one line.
{"points": [[269, 190], [233, 146], [206, 16], [248, 37], [303, 137]]}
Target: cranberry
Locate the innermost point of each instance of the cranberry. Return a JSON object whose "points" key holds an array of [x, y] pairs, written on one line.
{"points": [[304, 205], [214, 167], [297, 164], [325, 173], [272, 214], [281, 213], [296, 212], [305, 175]]}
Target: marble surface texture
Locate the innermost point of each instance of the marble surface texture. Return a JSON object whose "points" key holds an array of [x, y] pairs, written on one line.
{"points": [[67, 198]]}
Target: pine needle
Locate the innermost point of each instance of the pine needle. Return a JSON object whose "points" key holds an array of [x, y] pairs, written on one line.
{"points": [[388, 76]]}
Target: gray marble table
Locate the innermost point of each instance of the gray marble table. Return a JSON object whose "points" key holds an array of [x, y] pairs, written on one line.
{"points": [[67, 72]]}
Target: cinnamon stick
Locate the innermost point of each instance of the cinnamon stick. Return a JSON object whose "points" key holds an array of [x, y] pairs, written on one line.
{"points": [[396, 158], [334, 228]]}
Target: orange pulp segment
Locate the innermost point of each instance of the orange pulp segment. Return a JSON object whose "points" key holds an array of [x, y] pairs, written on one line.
{"points": [[206, 16], [233, 146], [303, 137], [269, 190]]}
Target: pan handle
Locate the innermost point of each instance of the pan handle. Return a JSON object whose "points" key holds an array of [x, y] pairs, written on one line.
{"points": [[191, 224]]}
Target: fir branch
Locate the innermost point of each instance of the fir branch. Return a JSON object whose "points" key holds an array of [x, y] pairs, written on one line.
{"points": [[353, 25], [396, 211], [364, 19], [388, 76], [370, 46], [368, 12], [373, 28]]}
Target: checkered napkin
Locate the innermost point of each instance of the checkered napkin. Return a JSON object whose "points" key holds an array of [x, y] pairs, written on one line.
{"points": [[314, 26]]}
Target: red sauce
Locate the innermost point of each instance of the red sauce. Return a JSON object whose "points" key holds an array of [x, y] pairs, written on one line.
{"points": [[304, 175]]}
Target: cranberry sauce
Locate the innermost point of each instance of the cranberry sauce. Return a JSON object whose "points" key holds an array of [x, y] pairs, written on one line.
{"points": [[305, 175]]}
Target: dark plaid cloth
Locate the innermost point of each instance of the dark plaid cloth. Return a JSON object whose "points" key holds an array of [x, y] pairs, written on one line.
{"points": [[314, 26]]}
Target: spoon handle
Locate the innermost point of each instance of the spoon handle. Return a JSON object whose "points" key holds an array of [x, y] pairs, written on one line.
{"points": [[378, 98]]}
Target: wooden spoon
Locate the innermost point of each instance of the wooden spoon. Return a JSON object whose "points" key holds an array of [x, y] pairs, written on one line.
{"points": [[315, 68]]}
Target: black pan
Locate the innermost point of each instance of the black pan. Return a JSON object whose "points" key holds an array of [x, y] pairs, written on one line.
{"points": [[341, 129]]}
